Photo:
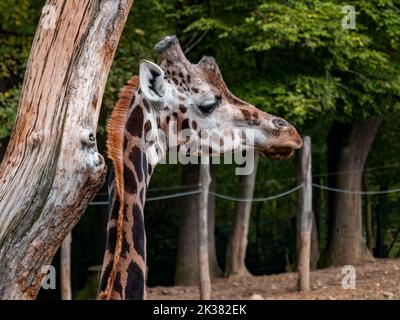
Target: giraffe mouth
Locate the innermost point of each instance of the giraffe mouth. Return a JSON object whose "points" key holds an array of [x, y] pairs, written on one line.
{"points": [[278, 153]]}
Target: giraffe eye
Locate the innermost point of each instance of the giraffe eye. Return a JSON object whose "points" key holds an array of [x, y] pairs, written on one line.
{"points": [[208, 107]]}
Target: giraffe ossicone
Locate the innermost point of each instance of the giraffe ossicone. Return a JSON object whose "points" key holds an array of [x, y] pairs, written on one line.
{"points": [[183, 111]]}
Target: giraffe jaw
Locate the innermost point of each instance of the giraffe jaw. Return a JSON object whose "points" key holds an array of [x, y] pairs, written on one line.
{"points": [[284, 151], [278, 153]]}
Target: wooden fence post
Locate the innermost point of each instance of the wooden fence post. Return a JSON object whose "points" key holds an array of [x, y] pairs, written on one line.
{"points": [[304, 217], [65, 266], [204, 270]]}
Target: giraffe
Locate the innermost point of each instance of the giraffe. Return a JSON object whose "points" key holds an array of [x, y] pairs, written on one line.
{"points": [[194, 96]]}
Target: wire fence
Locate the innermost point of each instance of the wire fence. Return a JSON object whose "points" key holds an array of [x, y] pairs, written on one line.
{"points": [[262, 199], [274, 181], [360, 192], [280, 195], [268, 198]]}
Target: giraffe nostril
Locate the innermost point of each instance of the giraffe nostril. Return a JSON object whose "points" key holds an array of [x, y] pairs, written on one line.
{"points": [[280, 122]]}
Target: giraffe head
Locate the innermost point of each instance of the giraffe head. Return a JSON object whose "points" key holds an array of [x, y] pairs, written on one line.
{"points": [[195, 98]]}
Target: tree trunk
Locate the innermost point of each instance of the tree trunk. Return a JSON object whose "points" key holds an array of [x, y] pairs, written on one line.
{"points": [[51, 169], [304, 217], [215, 270], [334, 141], [202, 248], [237, 244], [347, 245], [187, 263], [316, 205], [65, 263], [315, 253], [380, 235], [368, 215]]}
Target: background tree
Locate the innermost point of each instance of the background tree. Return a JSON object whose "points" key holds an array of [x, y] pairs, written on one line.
{"points": [[237, 244], [186, 272]]}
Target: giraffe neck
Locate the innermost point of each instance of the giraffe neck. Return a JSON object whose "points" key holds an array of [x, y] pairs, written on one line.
{"points": [[124, 273]]}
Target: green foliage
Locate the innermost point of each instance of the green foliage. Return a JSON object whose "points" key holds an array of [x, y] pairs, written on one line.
{"points": [[304, 63], [18, 19], [147, 23], [8, 106]]}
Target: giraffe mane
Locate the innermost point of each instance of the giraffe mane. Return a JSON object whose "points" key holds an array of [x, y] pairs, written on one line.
{"points": [[115, 139], [115, 130]]}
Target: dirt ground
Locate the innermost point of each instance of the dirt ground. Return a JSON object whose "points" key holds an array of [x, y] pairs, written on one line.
{"points": [[376, 280]]}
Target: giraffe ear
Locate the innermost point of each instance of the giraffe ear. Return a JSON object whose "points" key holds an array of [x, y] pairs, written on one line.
{"points": [[152, 81]]}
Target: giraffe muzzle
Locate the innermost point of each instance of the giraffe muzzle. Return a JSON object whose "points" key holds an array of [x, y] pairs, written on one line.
{"points": [[286, 141]]}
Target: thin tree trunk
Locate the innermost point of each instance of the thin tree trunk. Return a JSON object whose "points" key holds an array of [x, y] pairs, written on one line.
{"points": [[334, 141], [204, 269], [66, 290], [187, 263], [368, 215], [316, 205], [215, 270], [237, 244], [52, 169], [305, 217], [315, 253], [259, 242], [380, 236], [347, 246]]}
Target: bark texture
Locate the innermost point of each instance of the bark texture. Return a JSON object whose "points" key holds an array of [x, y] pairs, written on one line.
{"points": [[51, 169], [237, 244], [347, 246]]}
